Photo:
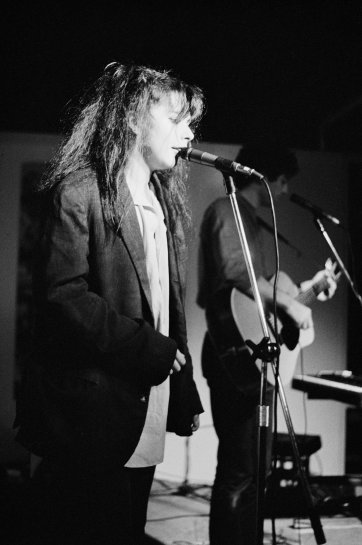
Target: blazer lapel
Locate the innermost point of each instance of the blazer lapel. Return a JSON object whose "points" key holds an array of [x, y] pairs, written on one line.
{"points": [[130, 233]]}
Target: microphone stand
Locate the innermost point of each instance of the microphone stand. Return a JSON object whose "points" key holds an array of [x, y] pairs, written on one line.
{"points": [[268, 352], [320, 226]]}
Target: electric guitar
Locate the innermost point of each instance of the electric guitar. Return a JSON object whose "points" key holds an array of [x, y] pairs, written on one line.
{"points": [[291, 339]]}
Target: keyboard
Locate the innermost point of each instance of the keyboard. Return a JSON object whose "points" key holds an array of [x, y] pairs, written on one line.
{"points": [[338, 385]]}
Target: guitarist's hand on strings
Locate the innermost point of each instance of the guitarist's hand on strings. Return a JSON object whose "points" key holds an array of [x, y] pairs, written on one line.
{"points": [[287, 301], [300, 314]]}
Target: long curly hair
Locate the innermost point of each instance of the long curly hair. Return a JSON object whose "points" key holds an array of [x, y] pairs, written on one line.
{"points": [[101, 137]]}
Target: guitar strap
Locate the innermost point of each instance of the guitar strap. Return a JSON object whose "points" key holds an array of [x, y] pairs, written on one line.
{"points": [[281, 237]]}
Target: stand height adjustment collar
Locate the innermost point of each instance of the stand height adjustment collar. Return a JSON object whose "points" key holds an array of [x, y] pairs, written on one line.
{"points": [[265, 350]]}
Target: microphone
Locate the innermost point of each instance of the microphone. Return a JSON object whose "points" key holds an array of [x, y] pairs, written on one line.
{"points": [[210, 160], [315, 209]]}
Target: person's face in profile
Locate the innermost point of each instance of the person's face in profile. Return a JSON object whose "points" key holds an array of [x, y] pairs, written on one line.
{"points": [[166, 133]]}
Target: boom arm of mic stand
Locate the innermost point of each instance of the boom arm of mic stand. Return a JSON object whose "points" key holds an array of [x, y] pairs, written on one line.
{"points": [[321, 228], [267, 352]]}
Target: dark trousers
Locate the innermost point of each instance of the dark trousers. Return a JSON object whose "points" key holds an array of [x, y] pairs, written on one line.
{"points": [[234, 411], [71, 508]]}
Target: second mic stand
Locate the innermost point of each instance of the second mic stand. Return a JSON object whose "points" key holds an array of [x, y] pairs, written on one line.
{"points": [[268, 353], [320, 226]]}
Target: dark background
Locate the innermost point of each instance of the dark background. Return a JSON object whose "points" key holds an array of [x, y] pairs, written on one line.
{"points": [[281, 68]]}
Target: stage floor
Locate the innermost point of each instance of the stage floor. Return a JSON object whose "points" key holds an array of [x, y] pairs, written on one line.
{"points": [[179, 516]]}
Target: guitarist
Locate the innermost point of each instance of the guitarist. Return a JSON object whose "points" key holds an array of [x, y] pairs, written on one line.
{"points": [[231, 375]]}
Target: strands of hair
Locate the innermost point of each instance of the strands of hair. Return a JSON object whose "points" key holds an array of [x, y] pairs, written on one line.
{"points": [[102, 137]]}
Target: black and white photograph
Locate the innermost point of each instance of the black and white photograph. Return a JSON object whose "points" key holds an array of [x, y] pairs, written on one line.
{"points": [[181, 273]]}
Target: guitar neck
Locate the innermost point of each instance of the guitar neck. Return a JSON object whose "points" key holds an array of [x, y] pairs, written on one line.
{"points": [[310, 295]]}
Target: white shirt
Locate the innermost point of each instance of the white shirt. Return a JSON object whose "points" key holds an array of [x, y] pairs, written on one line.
{"points": [[150, 448]]}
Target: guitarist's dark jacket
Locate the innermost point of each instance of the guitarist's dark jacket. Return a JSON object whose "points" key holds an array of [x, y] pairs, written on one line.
{"points": [[222, 267], [96, 356]]}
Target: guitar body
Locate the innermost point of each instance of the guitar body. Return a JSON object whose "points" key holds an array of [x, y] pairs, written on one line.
{"points": [[245, 314], [234, 358]]}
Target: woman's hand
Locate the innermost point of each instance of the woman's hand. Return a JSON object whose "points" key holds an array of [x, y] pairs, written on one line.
{"points": [[179, 362], [195, 422]]}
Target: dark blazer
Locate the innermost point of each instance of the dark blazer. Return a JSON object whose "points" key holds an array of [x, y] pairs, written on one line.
{"points": [[86, 385]]}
